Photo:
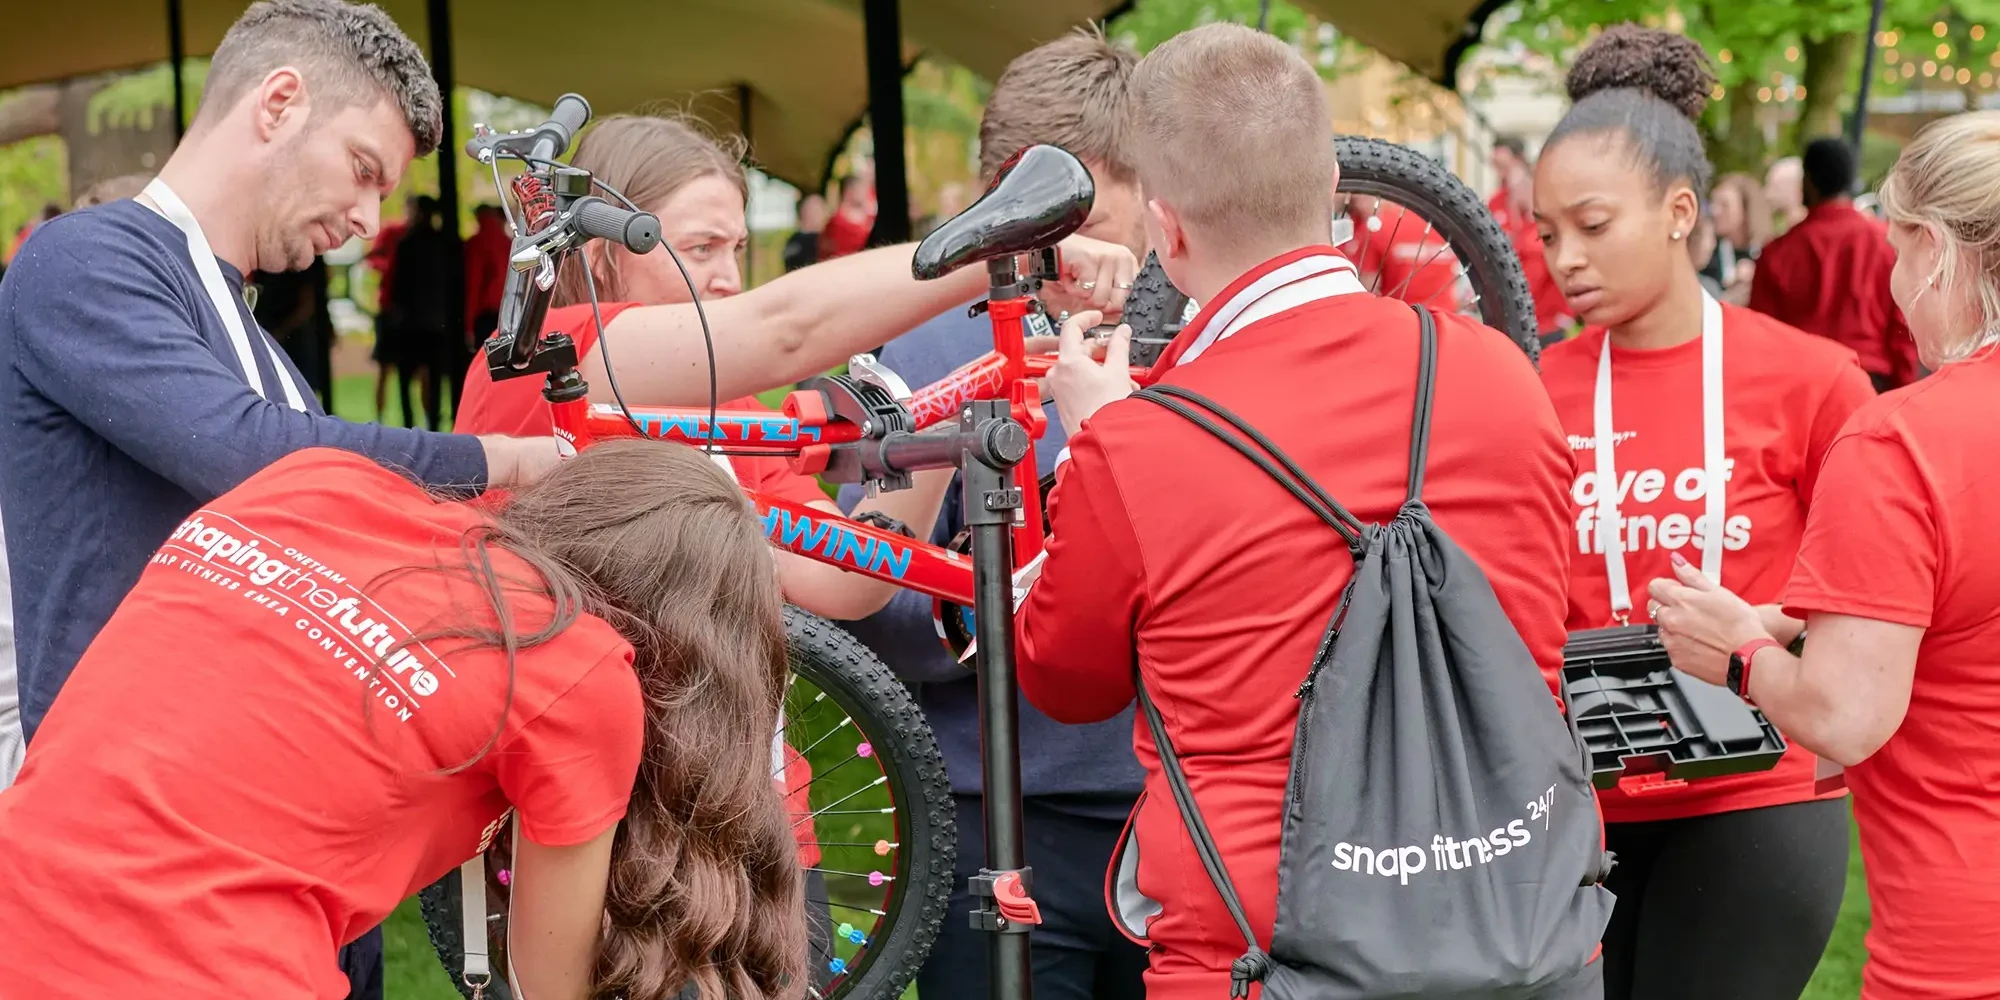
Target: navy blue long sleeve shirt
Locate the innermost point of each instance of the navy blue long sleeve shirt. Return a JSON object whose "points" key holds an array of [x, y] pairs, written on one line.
{"points": [[1088, 769], [123, 408]]}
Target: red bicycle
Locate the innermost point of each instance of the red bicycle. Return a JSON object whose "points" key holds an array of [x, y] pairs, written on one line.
{"points": [[879, 804]]}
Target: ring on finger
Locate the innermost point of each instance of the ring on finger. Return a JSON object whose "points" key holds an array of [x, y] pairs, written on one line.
{"points": [[1653, 610], [1086, 285], [1124, 286]]}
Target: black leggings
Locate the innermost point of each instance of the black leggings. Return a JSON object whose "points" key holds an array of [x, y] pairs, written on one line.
{"points": [[1736, 906]]}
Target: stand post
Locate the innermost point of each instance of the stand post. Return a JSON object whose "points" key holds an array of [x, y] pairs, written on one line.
{"points": [[992, 502]]}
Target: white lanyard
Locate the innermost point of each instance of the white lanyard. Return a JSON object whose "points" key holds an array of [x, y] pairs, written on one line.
{"points": [[1610, 528], [176, 211], [1304, 280]]}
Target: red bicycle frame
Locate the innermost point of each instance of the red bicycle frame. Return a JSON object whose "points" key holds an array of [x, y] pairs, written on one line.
{"points": [[805, 432]]}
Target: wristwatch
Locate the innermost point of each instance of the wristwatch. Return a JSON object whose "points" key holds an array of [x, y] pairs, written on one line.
{"points": [[1738, 679]]}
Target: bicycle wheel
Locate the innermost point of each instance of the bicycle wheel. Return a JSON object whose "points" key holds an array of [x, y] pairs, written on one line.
{"points": [[1415, 231], [877, 813]]}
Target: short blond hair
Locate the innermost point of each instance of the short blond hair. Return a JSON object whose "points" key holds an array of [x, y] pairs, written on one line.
{"points": [[1068, 93], [1949, 177], [1231, 128]]}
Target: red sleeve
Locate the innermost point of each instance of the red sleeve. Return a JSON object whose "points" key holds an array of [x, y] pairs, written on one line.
{"points": [[1871, 547], [774, 477], [1851, 391], [1764, 284], [1074, 637], [570, 771]]}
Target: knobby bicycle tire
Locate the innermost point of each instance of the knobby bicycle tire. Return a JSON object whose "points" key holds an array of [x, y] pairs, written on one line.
{"points": [[848, 673], [1405, 177]]}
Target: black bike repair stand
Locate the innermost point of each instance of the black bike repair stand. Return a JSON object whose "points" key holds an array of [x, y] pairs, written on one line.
{"points": [[994, 443]]}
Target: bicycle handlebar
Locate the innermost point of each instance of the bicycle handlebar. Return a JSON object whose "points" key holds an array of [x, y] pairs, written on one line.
{"points": [[549, 140], [638, 232], [569, 114]]}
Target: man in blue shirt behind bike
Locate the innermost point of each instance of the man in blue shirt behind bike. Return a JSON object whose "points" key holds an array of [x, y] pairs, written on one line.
{"points": [[1079, 782]]}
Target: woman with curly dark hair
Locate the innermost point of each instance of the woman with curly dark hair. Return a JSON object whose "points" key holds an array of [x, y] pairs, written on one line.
{"points": [[1699, 428], [330, 688]]}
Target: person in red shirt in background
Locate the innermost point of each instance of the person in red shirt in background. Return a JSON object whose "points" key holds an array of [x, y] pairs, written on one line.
{"points": [[1727, 887], [486, 253], [1513, 207], [602, 657], [1172, 555], [388, 351], [1897, 582], [853, 217], [1401, 256], [1829, 274]]}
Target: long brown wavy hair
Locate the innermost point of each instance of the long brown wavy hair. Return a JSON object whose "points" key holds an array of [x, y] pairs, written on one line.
{"points": [[705, 886]]}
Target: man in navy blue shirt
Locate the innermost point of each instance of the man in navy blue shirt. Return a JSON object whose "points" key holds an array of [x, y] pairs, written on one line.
{"points": [[1079, 782], [135, 383]]}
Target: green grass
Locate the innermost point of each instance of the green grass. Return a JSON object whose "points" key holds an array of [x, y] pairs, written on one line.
{"points": [[414, 972], [1839, 973]]}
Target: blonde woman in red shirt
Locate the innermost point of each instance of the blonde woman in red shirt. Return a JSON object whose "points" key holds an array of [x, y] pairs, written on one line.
{"points": [[1897, 580], [1698, 429], [329, 688]]}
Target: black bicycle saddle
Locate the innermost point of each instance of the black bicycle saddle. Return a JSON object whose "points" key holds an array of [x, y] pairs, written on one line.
{"points": [[1040, 196]]}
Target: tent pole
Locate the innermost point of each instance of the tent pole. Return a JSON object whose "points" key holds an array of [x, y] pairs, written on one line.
{"points": [[439, 18], [883, 32], [743, 126], [1858, 124], [176, 55]]}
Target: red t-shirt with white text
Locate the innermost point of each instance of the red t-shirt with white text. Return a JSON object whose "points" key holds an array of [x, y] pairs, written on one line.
{"points": [[1785, 395], [1905, 526], [243, 773]]}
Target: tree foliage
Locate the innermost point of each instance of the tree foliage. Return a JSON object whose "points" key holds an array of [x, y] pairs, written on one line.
{"points": [[1788, 68]]}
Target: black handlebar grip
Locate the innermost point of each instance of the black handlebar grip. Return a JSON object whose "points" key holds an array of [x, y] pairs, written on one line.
{"points": [[553, 136], [638, 232]]}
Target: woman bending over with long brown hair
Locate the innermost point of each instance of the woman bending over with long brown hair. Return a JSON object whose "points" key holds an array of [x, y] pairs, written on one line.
{"points": [[329, 688]]}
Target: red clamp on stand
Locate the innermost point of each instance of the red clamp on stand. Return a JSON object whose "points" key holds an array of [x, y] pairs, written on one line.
{"points": [[1005, 907]]}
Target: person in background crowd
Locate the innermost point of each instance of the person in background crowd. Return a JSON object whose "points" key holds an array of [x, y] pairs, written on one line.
{"points": [[311, 112], [1150, 513], [28, 229], [292, 306], [1784, 190], [602, 655], [1513, 207], [1701, 251], [486, 254], [113, 189], [1401, 256], [853, 218], [803, 247], [1078, 782], [388, 351], [1742, 227], [1727, 887], [1829, 274], [1895, 582], [420, 311]]}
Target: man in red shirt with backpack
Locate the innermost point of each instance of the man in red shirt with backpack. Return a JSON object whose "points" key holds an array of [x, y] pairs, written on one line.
{"points": [[1175, 559]]}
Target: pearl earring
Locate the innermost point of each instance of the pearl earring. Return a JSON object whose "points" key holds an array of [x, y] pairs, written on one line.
{"points": [[1677, 235]]}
